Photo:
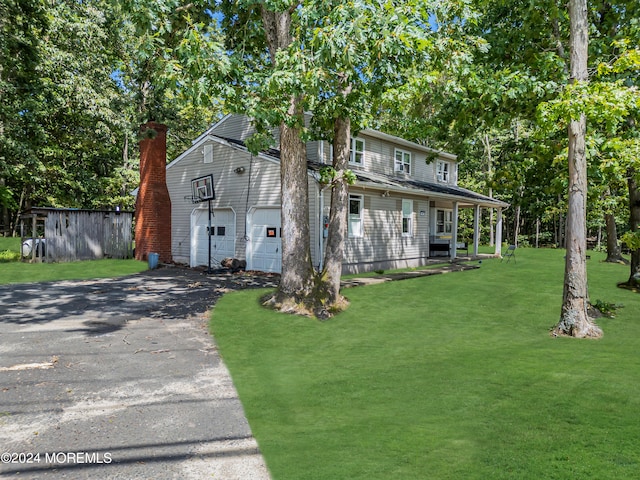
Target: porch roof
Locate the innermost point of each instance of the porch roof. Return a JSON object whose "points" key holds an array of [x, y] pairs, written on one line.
{"points": [[433, 190]]}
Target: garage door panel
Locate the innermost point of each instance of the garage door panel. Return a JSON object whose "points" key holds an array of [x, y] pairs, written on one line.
{"points": [[265, 242], [222, 236]]}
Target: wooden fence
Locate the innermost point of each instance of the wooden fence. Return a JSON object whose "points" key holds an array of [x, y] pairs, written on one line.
{"points": [[71, 235]]}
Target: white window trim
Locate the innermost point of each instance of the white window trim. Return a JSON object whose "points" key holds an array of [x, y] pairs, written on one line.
{"points": [[353, 151], [360, 199], [443, 171], [409, 217], [403, 165]]}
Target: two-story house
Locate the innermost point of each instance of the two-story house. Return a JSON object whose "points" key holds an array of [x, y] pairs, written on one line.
{"points": [[403, 208]]}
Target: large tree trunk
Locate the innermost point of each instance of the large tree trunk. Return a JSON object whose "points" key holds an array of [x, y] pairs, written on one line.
{"points": [[329, 281], [574, 319], [614, 252], [294, 293], [634, 224], [297, 270]]}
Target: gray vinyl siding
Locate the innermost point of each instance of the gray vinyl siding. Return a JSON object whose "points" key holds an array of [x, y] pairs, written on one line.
{"points": [[383, 246], [312, 152], [380, 158]]}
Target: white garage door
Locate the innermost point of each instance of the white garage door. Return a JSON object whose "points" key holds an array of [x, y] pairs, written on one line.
{"points": [[223, 238], [264, 248]]}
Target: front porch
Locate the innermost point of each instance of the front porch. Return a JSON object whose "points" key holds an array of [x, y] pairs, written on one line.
{"points": [[445, 240]]}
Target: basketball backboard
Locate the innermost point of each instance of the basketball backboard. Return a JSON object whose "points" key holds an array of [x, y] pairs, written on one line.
{"points": [[202, 189]]}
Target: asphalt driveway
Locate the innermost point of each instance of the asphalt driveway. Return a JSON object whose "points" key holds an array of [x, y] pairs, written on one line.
{"points": [[119, 378]]}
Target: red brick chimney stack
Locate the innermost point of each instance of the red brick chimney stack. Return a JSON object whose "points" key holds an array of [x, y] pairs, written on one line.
{"points": [[153, 205]]}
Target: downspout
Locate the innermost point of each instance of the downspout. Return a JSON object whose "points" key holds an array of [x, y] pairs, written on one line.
{"points": [[321, 230], [321, 212], [454, 232]]}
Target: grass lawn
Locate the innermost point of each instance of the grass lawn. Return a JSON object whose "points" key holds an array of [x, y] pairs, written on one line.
{"points": [[19, 272], [444, 377], [14, 271]]}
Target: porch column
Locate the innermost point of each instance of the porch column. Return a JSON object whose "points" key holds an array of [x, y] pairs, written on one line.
{"points": [[476, 229], [498, 251], [454, 232]]}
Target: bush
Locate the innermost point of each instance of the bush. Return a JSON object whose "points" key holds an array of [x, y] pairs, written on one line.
{"points": [[607, 309], [9, 256]]}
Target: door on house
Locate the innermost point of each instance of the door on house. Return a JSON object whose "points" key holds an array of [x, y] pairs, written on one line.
{"points": [[264, 248], [223, 236]]}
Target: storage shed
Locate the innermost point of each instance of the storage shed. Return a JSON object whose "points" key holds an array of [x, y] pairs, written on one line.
{"points": [[66, 235]]}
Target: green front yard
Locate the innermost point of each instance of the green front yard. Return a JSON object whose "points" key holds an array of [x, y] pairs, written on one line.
{"points": [[443, 377]]}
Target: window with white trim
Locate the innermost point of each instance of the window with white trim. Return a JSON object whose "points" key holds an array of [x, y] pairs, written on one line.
{"points": [[355, 224], [444, 221], [442, 171], [207, 153], [402, 161], [407, 218], [356, 154]]}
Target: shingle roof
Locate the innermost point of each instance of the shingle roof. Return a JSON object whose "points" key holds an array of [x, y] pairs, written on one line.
{"points": [[382, 181]]}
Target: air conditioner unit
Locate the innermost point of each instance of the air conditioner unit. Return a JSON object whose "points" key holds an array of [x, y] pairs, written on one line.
{"points": [[399, 168]]}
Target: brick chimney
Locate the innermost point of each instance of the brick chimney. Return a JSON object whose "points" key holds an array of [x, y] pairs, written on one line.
{"points": [[153, 205]]}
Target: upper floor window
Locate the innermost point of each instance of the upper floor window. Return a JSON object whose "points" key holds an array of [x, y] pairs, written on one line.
{"points": [[407, 218], [355, 224], [443, 170], [402, 161], [356, 155]]}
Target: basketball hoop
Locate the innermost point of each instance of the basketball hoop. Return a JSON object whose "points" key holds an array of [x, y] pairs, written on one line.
{"points": [[202, 191], [192, 199]]}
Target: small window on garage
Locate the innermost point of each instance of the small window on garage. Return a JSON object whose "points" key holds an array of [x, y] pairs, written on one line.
{"points": [[272, 232], [221, 231]]}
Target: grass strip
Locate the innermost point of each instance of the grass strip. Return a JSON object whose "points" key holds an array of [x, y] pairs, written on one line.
{"points": [[19, 272]]}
